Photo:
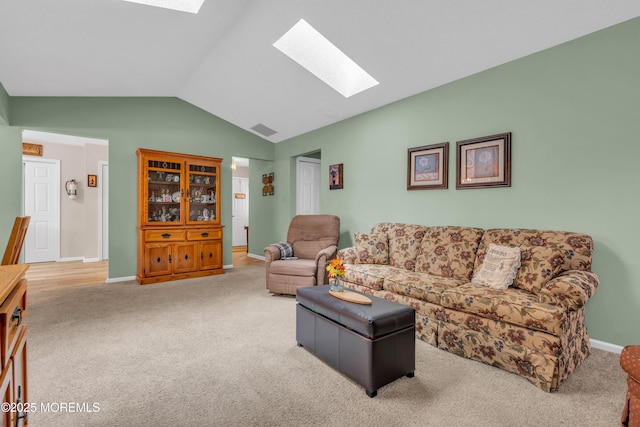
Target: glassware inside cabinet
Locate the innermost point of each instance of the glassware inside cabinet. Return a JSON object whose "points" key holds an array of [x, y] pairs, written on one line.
{"points": [[202, 193], [163, 190]]}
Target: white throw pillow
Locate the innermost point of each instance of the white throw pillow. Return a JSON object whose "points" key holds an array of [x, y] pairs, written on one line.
{"points": [[499, 267]]}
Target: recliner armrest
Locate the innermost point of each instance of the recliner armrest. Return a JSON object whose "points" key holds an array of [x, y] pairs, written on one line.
{"points": [[271, 253], [571, 289]]}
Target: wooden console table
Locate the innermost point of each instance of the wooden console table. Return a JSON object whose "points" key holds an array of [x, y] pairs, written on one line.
{"points": [[13, 343]]}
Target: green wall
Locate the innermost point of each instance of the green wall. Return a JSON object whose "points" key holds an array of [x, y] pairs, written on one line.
{"points": [[4, 106], [573, 112], [130, 123], [10, 180]]}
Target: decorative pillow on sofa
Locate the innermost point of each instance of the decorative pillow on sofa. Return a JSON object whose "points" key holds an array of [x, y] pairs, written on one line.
{"points": [[372, 248], [538, 265], [499, 267]]}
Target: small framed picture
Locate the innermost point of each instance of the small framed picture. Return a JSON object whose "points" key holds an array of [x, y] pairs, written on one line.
{"points": [[427, 167], [484, 162], [92, 181], [336, 180]]}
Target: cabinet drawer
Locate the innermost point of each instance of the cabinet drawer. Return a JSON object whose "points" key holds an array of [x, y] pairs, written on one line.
{"points": [[204, 234], [164, 235], [12, 312]]}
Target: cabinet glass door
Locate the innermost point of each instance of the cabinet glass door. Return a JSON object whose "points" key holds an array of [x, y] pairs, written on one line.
{"points": [[202, 194], [163, 192]]}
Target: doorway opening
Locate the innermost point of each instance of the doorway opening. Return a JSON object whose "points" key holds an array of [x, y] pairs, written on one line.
{"points": [[73, 227], [240, 204], [308, 185]]}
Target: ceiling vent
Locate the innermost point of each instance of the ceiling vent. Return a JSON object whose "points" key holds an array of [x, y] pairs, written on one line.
{"points": [[263, 130]]}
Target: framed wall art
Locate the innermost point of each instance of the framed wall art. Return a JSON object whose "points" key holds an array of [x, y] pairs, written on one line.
{"points": [[427, 167], [92, 180], [267, 180], [336, 179], [484, 162]]}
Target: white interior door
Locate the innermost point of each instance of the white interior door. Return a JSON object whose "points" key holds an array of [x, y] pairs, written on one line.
{"points": [[103, 183], [240, 210], [307, 186], [42, 203]]}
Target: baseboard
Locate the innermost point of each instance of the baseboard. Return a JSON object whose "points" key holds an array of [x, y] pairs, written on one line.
{"points": [[227, 266], [73, 258], [120, 279], [79, 258], [260, 257], [601, 345]]}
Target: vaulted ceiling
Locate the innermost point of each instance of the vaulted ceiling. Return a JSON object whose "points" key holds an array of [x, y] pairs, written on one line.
{"points": [[222, 59]]}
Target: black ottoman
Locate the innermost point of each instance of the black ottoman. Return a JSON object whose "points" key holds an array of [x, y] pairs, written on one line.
{"points": [[371, 344]]}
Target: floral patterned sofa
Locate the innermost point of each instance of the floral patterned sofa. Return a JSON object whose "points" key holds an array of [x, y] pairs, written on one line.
{"points": [[534, 328]]}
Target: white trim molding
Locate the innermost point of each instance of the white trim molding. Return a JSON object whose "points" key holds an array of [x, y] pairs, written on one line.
{"points": [[120, 279], [601, 345], [72, 258]]}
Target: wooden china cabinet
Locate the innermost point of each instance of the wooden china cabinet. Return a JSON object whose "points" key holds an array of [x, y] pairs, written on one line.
{"points": [[179, 229]]}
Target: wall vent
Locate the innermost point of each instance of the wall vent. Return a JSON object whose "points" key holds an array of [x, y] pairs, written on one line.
{"points": [[263, 130]]}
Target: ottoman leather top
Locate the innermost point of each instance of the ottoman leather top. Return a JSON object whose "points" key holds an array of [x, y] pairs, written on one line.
{"points": [[380, 318]]}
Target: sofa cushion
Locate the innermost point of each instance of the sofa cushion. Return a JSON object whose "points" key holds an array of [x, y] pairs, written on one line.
{"points": [[422, 286], [502, 332], [449, 251], [372, 248], [404, 242], [538, 264], [369, 275], [576, 248], [499, 267], [511, 305]]}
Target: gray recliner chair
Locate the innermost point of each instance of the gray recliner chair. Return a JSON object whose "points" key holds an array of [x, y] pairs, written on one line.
{"points": [[312, 241]]}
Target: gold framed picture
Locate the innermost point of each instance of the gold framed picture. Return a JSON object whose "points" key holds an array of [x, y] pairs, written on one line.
{"points": [[427, 167], [484, 162], [92, 180]]}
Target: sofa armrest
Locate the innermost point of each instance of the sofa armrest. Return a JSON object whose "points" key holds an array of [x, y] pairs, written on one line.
{"points": [[571, 289], [348, 255]]}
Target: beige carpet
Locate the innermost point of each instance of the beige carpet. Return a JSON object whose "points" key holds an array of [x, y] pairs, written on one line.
{"points": [[222, 351]]}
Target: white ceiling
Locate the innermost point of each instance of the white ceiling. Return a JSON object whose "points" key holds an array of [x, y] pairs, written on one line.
{"points": [[222, 59]]}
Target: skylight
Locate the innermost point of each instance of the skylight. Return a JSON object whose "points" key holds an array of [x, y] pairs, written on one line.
{"points": [[191, 6], [305, 45]]}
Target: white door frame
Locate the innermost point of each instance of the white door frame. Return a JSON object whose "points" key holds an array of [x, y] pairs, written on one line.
{"points": [[103, 220], [236, 228], [55, 197], [299, 188]]}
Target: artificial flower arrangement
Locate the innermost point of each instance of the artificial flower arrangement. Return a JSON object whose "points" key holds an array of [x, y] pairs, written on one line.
{"points": [[335, 268]]}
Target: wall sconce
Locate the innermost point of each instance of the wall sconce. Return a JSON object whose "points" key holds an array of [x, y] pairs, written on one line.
{"points": [[72, 188], [233, 164]]}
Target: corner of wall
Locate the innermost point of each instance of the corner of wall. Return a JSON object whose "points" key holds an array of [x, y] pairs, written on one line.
{"points": [[4, 106]]}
